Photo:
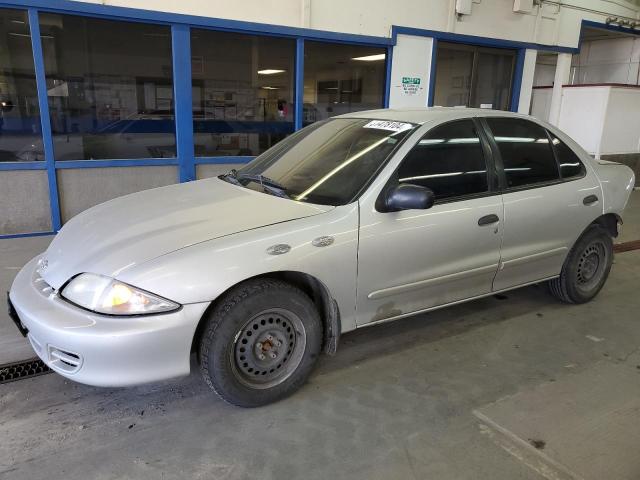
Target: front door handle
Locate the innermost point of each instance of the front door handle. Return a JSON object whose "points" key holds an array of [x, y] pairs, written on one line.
{"points": [[488, 219], [590, 199]]}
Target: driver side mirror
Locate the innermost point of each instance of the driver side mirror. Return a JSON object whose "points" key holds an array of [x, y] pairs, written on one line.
{"points": [[406, 196]]}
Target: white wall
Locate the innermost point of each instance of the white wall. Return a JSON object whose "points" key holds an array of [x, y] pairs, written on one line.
{"points": [[604, 120], [613, 60], [549, 24]]}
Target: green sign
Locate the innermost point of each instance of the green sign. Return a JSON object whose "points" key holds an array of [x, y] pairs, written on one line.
{"points": [[411, 85], [410, 81]]}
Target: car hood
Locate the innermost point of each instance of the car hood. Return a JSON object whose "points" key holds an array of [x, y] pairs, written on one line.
{"points": [[127, 231]]}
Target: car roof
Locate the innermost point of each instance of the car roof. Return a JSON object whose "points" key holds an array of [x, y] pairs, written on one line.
{"points": [[428, 114]]}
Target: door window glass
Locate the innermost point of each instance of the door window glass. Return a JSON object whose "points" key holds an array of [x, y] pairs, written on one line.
{"points": [[570, 164], [448, 160], [472, 76], [526, 154]]}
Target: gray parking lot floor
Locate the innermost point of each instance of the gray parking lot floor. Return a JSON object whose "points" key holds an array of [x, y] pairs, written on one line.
{"points": [[516, 387]]}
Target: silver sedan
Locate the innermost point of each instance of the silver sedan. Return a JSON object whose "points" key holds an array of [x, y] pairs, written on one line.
{"points": [[353, 221]]}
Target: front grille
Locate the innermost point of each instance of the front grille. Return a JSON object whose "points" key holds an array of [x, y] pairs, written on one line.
{"points": [[19, 370]]}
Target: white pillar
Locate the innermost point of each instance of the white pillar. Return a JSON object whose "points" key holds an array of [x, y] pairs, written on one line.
{"points": [[563, 70], [528, 71], [410, 71]]}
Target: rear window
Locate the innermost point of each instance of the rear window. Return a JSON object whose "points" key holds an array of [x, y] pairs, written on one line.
{"points": [[569, 163], [525, 150]]}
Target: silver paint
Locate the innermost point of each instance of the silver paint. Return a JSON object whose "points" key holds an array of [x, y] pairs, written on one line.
{"points": [[192, 242]]}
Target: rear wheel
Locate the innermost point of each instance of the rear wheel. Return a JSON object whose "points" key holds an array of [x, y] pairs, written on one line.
{"points": [[586, 268], [260, 342]]}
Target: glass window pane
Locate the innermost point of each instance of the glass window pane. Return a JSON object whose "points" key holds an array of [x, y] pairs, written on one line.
{"points": [[453, 76], [110, 88], [570, 164], [20, 138], [341, 78], [472, 76], [525, 151], [448, 160], [492, 79], [242, 92]]}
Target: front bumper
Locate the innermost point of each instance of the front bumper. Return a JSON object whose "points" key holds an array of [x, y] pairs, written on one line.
{"points": [[102, 350]]}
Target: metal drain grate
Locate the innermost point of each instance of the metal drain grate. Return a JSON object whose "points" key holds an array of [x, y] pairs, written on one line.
{"points": [[19, 370]]}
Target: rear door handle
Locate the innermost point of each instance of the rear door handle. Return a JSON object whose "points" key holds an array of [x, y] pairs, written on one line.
{"points": [[488, 219], [590, 199]]}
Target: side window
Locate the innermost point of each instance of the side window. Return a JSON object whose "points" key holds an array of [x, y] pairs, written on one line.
{"points": [[526, 154], [448, 160], [570, 164]]}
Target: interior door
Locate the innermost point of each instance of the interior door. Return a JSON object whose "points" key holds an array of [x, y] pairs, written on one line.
{"points": [[549, 199], [417, 259]]}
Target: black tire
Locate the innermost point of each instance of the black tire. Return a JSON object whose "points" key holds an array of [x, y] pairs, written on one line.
{"points": [[260, 343], [586, 268]]}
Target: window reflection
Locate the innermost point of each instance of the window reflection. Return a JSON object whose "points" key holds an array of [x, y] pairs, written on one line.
{"points": [[448, 160], [242, 92], [570, 164], [340, 79], [20, 138], [110, 88], [525, 150]]}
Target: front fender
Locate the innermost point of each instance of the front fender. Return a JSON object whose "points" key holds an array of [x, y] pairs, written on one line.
{"points": [[202, 272]]}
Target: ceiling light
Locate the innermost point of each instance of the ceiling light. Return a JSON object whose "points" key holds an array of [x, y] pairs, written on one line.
{"points": [[371, 58], [270, 71], [270, 88]]}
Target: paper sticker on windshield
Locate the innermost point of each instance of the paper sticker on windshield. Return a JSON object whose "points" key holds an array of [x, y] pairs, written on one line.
{"points": [[386, 125]]}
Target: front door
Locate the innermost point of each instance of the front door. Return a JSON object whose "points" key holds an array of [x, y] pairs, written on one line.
{"points": [[413, 260]]}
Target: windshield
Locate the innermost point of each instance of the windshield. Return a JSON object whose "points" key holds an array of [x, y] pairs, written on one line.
{"points": [[326, 163]]}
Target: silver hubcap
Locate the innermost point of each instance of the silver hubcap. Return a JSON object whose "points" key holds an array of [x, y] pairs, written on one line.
{"points": [[591, 266], [268, 348]]}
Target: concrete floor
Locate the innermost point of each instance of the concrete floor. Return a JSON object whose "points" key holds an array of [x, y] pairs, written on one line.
{"points": [[464, 392]]}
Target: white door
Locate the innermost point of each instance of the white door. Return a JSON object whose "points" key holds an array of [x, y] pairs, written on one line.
{"points": [[417, 259], [549, 199]]}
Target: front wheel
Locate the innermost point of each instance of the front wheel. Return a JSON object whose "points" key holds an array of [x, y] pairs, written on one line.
{"points": [[586, 268], [260, 342]]}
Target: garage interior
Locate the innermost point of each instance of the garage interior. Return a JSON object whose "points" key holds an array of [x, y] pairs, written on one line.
{"points": [[105, 98]]}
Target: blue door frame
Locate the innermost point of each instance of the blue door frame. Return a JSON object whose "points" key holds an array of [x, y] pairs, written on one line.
{"points": [[181, 38]]}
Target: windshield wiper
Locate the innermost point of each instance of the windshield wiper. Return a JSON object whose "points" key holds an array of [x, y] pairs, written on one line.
{"points": [[268, 184]]}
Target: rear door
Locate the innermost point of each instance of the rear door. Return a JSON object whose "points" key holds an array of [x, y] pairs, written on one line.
{"points": [[549, 199]]}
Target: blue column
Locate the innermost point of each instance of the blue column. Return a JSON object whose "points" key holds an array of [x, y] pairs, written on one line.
{"points": [[517, 80], [181, 46], [387, 77], [432, 73], [299, 80], [45, 124]]}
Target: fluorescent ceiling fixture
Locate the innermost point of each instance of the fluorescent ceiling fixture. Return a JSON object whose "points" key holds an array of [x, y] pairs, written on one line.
{"points": [[270, 88], [371, 58], [270, 71]]}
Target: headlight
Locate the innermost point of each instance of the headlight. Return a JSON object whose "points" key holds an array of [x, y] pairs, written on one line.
{"points": [[109, 296]]}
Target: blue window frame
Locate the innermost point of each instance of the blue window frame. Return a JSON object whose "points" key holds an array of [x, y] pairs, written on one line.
{"points": [[181, 26]]}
